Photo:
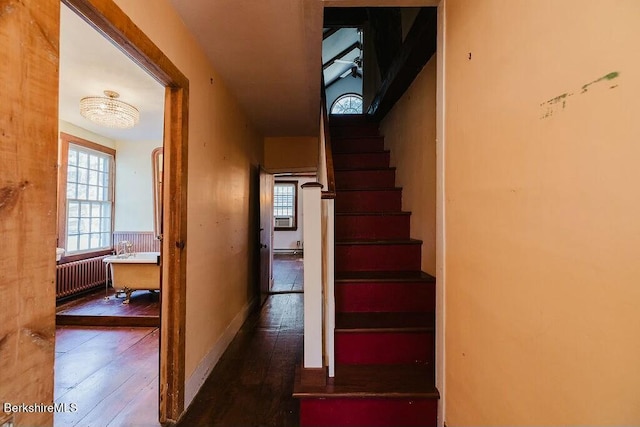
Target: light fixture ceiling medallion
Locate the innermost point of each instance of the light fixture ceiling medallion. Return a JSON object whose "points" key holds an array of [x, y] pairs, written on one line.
{"points": [[109, 111]]}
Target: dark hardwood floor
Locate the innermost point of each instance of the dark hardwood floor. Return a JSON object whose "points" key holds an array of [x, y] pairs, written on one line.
{"points": [[287, 273], [110, 374], [252, 384]]}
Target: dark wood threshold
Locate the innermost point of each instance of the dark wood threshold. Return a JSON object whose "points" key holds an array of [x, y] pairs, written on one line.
{"points": [[385, 322], [384, 276], [131, 321], [380, 242], [375, 381]]}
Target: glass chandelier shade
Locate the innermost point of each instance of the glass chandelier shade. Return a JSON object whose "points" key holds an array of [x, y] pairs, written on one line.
{"points": [[109, 111]]}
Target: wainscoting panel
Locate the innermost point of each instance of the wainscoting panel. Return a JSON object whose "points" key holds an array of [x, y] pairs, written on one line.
{"points": [[143, 241]]}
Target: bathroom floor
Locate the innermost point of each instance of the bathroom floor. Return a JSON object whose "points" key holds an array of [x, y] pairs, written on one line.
{"points": [[143, 303]]}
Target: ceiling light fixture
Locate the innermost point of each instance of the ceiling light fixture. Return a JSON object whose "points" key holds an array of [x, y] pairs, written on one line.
{"points": [[109, 111]]}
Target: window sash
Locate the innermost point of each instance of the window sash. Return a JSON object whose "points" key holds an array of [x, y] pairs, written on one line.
{"points": [[284, 203], [86, 203]]}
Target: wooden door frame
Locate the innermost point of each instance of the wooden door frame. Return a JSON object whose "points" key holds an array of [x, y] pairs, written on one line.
{"points": [[107, 18]]}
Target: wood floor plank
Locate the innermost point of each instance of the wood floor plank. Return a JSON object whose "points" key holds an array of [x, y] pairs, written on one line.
{"points": [[121, 362], [252, 384]]}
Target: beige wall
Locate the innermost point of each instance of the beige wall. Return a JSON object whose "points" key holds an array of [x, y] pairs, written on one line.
{"points": [[542, 212], [224, 151], [410, 134], [291, 154]]}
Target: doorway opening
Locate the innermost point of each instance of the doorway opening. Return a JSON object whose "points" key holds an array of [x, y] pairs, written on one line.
{"points": [[111, 22]]}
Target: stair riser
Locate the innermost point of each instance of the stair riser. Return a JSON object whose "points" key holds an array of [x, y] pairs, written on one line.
{"points": [[360, 160], [357, 145], [365, 179], [408, 297], [379, 348], [369, 201], [377, 258], [356, 129], [353, 227], [368, 412]]}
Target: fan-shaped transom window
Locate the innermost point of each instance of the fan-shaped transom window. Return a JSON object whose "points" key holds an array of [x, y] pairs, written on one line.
{"points": [[349, 103]]}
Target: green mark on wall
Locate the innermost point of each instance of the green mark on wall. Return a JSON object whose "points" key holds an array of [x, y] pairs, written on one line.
{"points": [[552, 104], [610, 76]]}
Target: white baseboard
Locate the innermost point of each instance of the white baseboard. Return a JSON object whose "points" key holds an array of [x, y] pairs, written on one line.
{"points": [[206, 365]]}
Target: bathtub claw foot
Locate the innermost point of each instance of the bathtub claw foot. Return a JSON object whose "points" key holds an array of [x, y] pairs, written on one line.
{"points": [[127, 293]]}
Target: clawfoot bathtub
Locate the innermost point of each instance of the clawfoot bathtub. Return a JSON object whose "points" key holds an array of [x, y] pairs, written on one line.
{"points": [[137, 271]]}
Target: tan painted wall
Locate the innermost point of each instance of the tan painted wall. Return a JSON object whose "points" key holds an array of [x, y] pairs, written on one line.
{"points": [[542, 212], [410, 134], [291, 154], [224, 151]]}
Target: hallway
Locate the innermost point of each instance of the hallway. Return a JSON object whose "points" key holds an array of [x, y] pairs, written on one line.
{"points": [[252, 384]]}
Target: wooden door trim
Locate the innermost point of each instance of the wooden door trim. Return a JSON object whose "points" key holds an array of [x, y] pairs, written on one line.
{"points": [[107, 18]]}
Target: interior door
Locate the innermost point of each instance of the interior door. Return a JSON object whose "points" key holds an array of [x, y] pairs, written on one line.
{"points": [[266, 234]]}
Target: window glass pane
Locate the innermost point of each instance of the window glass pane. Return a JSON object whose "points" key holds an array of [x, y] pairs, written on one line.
{"points": [[94, 241], [83, 242], [83, 160], [73, 157], [74, 209], [93, 162], [72, 226], [82, 192], [106, 224], [347, 104], [72, 174], [93, 177], [95, 225], [93, 193], [104, 240], [84, 210], [71, 191], [83, 176], [84, 225], [72, 243]]}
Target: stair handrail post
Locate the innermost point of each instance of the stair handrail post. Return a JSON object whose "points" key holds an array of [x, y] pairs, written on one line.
{"points": [[313, 297]]}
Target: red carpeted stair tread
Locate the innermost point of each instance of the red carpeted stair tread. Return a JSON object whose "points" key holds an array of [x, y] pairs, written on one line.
{"points": [[384, 276], [384, 322]]}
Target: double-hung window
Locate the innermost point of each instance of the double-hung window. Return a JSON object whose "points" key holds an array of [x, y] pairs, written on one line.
{"points": [[86, 196], [285, 199]]}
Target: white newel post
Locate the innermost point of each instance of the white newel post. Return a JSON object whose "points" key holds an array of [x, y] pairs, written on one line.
{"points": [[312, 235]]}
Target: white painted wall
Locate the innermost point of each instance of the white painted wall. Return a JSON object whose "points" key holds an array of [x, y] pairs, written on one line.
{"points": [[74, 130], [134, 189], [288, 239]]}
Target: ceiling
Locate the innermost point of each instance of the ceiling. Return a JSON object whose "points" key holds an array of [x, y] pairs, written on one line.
{"points": [[268, 52], [90, 64], [341, 52]]}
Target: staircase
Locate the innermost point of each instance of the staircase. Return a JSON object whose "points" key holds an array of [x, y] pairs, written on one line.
{"points": [[385, 306]]}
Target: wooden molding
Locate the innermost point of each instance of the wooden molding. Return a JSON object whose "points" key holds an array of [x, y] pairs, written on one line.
{"points": [[313, 377]]}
